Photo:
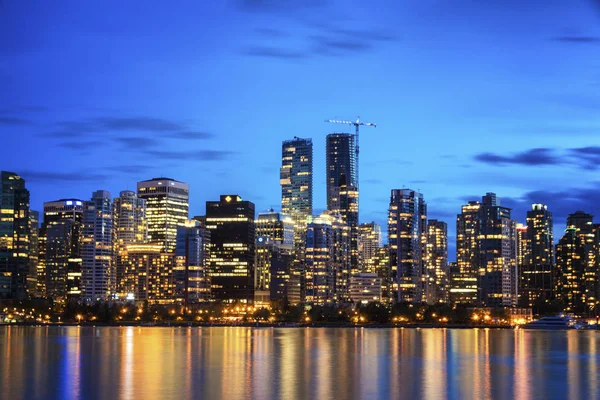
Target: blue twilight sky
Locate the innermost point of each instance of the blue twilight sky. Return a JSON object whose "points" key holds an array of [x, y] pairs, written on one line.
{"points": [[469, 96]]}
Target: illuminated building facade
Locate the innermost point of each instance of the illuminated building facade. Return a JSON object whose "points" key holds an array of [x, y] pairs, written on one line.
{"points": [[327, 260], [437, 262], [342, 185], [365, 288], [130, 227], [14, 237], [407, 235], [32, 278], [369, 243], [192, 284], [167, 205], [577, 264], [537, 268], [59, 264], [462, 286], [486, 248], [149, 273], [98, 273], [231, 265], [274, 240], [296, 179]]}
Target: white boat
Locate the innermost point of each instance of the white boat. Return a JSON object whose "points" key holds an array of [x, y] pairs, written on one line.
{"points": [[557, 323]]}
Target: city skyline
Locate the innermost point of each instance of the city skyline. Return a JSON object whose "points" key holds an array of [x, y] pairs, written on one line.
{"points": [[496, 128]]}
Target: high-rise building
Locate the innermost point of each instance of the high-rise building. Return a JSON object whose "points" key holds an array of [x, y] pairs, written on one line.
{"points": [[486, 249], [14, 237], [149, 273], [192, 284], [437, 262], [274, 235], [365, 288], [577, 264], [327, 260], [130, 227], [342, 185], [32, 278], [59, 264], [369, 243], [407, 235], [167, 205], [231, 264], [98, 274], [296, 179], [462, 285], [537, 268]]}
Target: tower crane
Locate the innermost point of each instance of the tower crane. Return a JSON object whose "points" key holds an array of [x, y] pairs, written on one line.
{"points": [[356, 124]]}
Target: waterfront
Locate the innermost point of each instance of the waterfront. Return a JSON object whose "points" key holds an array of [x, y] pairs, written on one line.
{"points": [[263, 363]]}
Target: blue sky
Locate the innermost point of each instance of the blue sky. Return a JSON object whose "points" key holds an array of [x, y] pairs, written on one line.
{"points": [[469, 97]]}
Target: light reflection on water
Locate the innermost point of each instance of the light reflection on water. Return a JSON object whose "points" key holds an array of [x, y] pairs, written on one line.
{"points": [[265, 363]]}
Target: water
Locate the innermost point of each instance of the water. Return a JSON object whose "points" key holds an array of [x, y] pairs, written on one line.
{"points": [[315, 363]]}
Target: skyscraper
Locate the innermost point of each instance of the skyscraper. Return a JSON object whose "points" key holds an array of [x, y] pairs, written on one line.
{"points": [[538, 264], [192, 284], [32, 278], [342, 185], [296, 179], [98, 273], [327, 260], [369, 243], [59, 264], [130, 227], [14, 237], [167, 204], [231, 265], [437, 262], [577, 264], [486, 248], [407, 229]]}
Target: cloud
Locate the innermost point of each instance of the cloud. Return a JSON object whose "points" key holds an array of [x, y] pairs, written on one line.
{"points": [[131, 169], [577, 39], [588, 157], [194, 155], [62, 177], [194, 135], [271, 33], [148, 124], [13, 121], [273, 52], [327, 45], [81, 145], [279, 6], [136, 142], [532, 157]]}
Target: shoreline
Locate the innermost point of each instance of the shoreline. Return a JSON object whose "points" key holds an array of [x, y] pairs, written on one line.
{"points": [[264, 325]]}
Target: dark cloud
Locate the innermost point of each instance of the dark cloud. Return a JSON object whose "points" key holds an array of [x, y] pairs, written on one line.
{"points": [[532, 157], [22, 109], [194, 155], [577, 39], [336, 46], [149, 124], [81, 145], [193, 135], [13, 121], [62, 177], [587, 157], [131, 169], [279, 6], [273, 52], [136, 142]]}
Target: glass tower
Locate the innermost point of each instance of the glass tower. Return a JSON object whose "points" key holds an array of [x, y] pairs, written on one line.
{"points": [[167, 204], [437, 261]]}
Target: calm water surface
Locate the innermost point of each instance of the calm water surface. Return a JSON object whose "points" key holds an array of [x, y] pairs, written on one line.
{"points": [[306, 363]]}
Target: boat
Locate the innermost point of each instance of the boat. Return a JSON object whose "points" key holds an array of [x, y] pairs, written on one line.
{"points": [[556, 323]]}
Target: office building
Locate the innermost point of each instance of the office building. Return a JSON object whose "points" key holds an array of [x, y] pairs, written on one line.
{"points": [[462, 287], [192, 284], [130, 227], [98, 273], [327, 260], [437, 262], [342, 185], [14, 237], [231, 264], [32, 278], [536, 257], [407, 235], [167, 205], [577, 265], [296, 179], [59, 264], [365, 288], [486, 249], [149, 273], [369, 243]]}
